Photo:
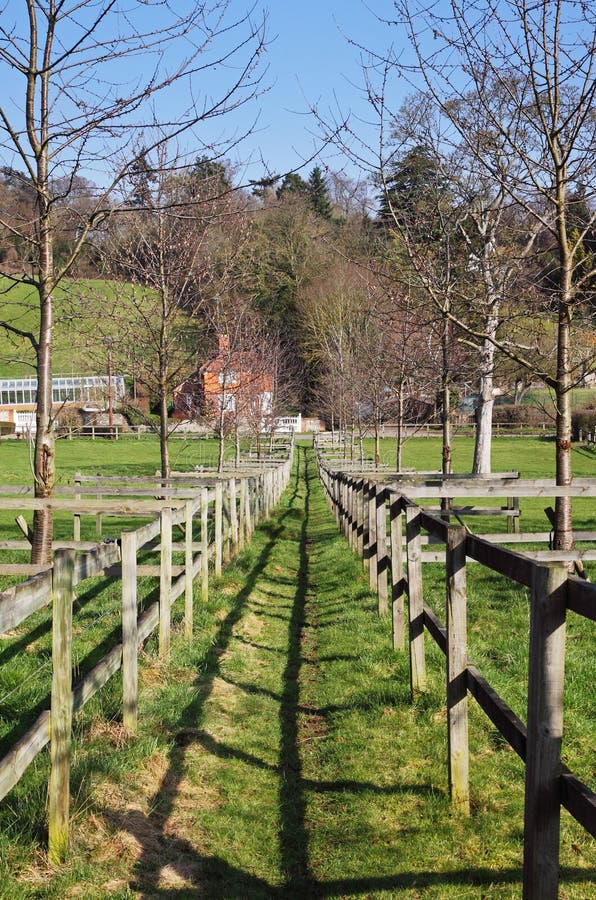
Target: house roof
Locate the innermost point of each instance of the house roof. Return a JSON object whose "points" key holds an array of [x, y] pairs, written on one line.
{"points": [[246, 361]]}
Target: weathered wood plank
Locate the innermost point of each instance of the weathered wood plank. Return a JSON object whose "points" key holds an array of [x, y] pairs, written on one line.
{"points": [[204, 545], [522, 489], [165, 584], [580, 801], [415, 601], [17, 760], [437, 631], [545, 732], [501, 715], [218, 528], [435, 526], [581, 597], [93, 562], [148, 621], [457, 656], [398, 584], [506, 562], [178, 586], [61, 711], [188, 574], [20, 601], [96, 678], [381, 555], [130, 639]]}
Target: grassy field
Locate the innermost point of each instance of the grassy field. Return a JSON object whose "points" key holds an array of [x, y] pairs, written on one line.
{"points": [[531, 457], [279, 754], [74, 310], [127, 456]]}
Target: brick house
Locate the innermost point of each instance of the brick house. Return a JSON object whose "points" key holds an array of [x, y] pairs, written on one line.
{"points": [[233, 381]]}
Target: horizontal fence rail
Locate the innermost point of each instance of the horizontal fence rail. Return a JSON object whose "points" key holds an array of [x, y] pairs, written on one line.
{"points": [[384, 526], [226, 509]]}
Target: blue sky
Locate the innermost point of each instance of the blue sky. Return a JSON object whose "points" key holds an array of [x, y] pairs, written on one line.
{"points": [[310, 62]]}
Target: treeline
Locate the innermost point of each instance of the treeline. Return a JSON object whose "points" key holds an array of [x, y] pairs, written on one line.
{"points": [[339, 285], [463, 255]]}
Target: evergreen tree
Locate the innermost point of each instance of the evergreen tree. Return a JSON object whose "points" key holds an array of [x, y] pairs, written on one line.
{"points": [[293, 184], [319, 194], [412, 193]]}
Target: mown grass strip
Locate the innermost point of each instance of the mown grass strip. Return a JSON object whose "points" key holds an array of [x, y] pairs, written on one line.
{"points": [[279, 754]]}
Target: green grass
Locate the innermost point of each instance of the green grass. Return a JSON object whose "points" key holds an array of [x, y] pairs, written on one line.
{"points": [[531, 457], [75, 302], [544, 398], [279, 754], [127, 456]]}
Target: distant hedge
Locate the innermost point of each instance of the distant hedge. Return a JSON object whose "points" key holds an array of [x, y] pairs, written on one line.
{"points": [[521, 415], [583, 420]]}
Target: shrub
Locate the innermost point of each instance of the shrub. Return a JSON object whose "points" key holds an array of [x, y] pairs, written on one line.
{"points": [[583, 420], [520, 415]]}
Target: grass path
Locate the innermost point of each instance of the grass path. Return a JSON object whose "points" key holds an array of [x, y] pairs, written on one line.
{"points": [[281, 756]]}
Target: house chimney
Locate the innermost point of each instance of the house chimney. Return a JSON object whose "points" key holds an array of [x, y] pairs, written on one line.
{"points": [[224, 342]]}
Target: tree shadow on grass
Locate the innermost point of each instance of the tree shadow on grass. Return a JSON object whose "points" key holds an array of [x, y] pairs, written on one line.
{"points": [[190, 873], [159, 849]]}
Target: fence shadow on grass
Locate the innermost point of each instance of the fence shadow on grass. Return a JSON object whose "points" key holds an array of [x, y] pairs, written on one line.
{"points": [[196, 874], [157, 848]]}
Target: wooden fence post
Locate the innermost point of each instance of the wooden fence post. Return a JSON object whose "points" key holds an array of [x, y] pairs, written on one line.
{"points": [[205, 545], [233, 516], [165, 583], [218, 526], [335, 496], [372, 535], [545, 730], [130, 641], [382, 561], [242, 516], [188, 570], [457, 659], [397, 574], [76, 524], [351, 515], [415, 601], [344, 505], [61, 711], [365, 525], [360, 518], [226, 527], [98, 519], [247, 508]]}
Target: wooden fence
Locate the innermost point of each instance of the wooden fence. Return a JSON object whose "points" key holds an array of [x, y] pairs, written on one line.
{"points": [[227, 513], [361, 506]]}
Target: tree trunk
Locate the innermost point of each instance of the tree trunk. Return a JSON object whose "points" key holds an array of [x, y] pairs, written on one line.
{"points": [[44, 460], [446, 401], [164, 446], [377, 442], [44, 453], [220, 435], [400, 426], [563, 538], [484, 412]]}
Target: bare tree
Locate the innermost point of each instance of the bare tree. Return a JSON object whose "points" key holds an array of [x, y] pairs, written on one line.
{"points": [[542, 58], [168, 255], [78, 108]]}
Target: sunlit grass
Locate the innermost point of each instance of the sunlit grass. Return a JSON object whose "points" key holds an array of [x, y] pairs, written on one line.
{"points": [[279, 753]]}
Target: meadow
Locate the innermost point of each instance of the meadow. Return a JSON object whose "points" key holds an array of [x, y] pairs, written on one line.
{"points": [[279, 754]]}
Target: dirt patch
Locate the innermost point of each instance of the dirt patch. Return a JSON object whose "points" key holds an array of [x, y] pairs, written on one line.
{"points": [[251, 626]]}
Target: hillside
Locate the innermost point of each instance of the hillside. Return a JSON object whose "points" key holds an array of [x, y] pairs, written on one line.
{"points": [[74, 347]]}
